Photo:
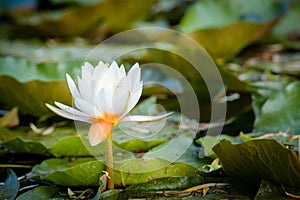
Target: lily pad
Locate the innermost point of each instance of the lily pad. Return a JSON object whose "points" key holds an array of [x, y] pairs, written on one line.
{"points": [[279, 111], [24, 141], [258, 160], [68, 22], [24, 82], [86, 171], [79, 172], [42, 192], [143, 170], [223, 28], [208, 142]]}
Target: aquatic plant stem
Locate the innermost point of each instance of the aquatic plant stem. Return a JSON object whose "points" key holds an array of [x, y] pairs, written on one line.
{"points": [[109, 162]]}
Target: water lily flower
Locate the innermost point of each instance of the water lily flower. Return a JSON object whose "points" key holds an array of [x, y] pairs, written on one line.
{"points": [[103, 96]]}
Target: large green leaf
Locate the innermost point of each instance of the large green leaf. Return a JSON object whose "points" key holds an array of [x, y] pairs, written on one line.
{"points": [[258, 160], [288, 25], [68, 22], [78, 172], [219, 13], [223, 27], [86, 171], [22, 83], [262, 91], [143, 170], [197, 82], [24, 141], [42, 192], [279, 112], [227, 41], [22, 80], [61, 142]]}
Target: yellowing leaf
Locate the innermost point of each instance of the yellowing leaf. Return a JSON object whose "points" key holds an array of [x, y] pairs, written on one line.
{"points": [[11, 119]]}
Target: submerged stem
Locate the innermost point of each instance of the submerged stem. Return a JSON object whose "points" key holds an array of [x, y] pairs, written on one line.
{"points": [[109, 162]]}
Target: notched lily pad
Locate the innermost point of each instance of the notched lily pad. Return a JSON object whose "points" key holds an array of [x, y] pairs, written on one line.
{"points": [[77, 172], [42, 192], [143, 170], [278, 112], [258, 160], [25, 141]]}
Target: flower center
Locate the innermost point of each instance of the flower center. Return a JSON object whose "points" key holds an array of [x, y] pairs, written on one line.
{"points": [[107, 117]]}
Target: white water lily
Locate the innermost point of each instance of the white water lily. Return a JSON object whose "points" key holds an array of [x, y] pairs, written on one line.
{"points": [[103, 96]]}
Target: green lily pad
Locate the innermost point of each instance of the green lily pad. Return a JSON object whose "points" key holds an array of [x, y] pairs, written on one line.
{"points": [[140, 137], [226, 42], [42, 192], [261, 91], [288, 25], [23, 81], [169, 183], [258, 160], [143, 170], [61, 142], [86, 171], [80, 172], [279, 112], [208, 142], [24, 141], [140, 141], [68, 22], [223, 28]]}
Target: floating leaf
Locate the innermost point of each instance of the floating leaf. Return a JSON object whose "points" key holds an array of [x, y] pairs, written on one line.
{"points": [[144, 136], [80, 172], [262, 91], [226, 42], [223, 28], [42, 192], [143, 170], [208, 142], [258, 160], [162, 184], [279, 112], [69, 22], [23, 81], [10, 187], [220, 13], [24, 141], [288, 27]]}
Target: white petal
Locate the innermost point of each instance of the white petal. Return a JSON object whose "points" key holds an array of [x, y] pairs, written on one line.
{"points": [[67, 115], [85, 88], [134, 76], [114, 69], [86, 107], [140, 118], [87, 67], [72, 87], [71, 110], [104, 100], [98, 72], [134, 98], [122, 71], [120, 102]]}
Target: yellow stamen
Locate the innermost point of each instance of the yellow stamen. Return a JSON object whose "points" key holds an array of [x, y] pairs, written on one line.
{"points": [[108, 117]]}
